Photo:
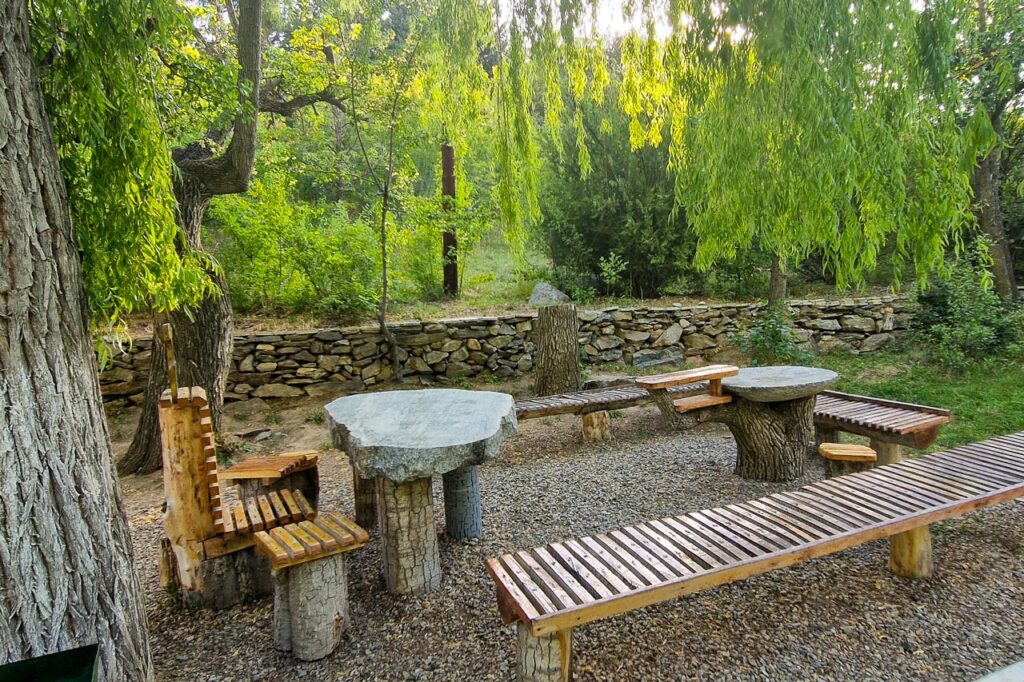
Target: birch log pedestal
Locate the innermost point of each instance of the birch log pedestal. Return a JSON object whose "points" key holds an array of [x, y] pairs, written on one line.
{"points": [[772, 418], [399, 440]]}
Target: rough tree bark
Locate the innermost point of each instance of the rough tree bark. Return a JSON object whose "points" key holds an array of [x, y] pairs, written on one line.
{"points": [[405, 517], [449, 241], [558, 355], [778, 280], [985, 183], [311, 607], [66, 563]]}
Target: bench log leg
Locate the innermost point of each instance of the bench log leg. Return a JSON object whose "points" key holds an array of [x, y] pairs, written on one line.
{"points": [[405, 518], [462, 514], [311, 607], [597, 426], [543, 659], [910, 553], [365, 501], [823, 434]]}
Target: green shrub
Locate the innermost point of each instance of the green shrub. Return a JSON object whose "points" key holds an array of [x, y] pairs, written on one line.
{"points": [[280, 254], [963, 319], [770, 341]]}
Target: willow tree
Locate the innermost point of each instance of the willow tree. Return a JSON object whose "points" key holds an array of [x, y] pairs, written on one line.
{"points": [[798, 127], [85, 150]]}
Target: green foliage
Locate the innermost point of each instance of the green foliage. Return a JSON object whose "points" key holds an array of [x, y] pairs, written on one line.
{"points": [[770, 341], [281, 254], [622, 210], [99, 76], [423, 221], [964, 320]]}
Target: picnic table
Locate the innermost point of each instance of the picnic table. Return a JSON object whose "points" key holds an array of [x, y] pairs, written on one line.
{"points": [[399, 440], [769, 410]]}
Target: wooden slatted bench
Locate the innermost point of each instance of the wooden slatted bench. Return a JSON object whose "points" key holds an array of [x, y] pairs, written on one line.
{"points": [[551, 589], [713, 394], [884, 421], [310, 584]]}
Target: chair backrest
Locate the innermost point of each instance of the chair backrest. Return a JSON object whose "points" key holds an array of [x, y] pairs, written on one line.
{"points": [[189, 453]]}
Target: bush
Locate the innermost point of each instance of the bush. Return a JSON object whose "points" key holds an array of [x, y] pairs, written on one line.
{"points": [[770, 341], [963, 319], [283, 255]]}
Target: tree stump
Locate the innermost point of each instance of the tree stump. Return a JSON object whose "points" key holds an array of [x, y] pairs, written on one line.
{"points": [[311, 607], [543, 659], [405, 518], [462, 513], [597, 426], [558, 355], [365, 494], [771, 438], [910, 553]]}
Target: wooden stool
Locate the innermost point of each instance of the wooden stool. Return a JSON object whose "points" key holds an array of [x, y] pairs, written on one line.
{"points": [[846, 458], [310, 586]]}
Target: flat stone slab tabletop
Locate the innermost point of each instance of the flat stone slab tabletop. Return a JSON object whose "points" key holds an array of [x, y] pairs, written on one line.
{"points": [[399, 440], [405, 435], [779, 383]]}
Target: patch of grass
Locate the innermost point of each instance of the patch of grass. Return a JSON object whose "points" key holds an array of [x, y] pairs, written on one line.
{"points": [[986, 397], [316, 416], [274, 417]]}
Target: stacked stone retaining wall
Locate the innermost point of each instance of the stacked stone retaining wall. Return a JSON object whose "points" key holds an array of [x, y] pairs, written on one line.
{"points": [[315, 362]]}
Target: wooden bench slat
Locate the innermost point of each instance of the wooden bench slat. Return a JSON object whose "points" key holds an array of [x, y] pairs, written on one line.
{"points": [[748, 538], [559, 596], [611, 578], [252, 508], [285, 538], [266, 511], [338, 532], [304, 506], [326, 540], [310, 543], [281, 514], [271, 546], [696, 402], [833, 514], [540, 601], [293, 507], [598, 585], [241, 520], [687, 376]]}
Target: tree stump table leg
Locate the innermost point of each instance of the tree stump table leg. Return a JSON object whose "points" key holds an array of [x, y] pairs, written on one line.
{"points": [[365, 501], [405, 518], [462, 513], [772, 438], [910, 553], [597, 426], [543, 659], [311, 607]]}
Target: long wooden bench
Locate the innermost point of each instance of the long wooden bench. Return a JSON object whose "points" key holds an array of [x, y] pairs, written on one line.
{"points": [[551, 589], [887, 422]]}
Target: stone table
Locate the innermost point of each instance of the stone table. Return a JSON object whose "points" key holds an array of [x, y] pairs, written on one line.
{"points": [[772, 418], [400, 439]]}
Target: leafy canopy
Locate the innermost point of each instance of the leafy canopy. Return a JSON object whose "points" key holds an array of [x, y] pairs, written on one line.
{"points": [[99, 76]]}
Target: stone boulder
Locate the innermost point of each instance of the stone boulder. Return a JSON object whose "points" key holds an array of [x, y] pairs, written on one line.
{"points": [[544, 295], [673, 355]]}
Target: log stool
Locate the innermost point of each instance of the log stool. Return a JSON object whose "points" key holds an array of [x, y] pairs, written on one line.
{"points": [[310, 586], [846, 458]]}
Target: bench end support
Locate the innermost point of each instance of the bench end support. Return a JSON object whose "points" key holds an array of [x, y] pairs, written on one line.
{"points": [[547, 658]]}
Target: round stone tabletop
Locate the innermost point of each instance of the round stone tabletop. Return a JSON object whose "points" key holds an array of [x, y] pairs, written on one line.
{"points": [[405, 435], [778, 383]]}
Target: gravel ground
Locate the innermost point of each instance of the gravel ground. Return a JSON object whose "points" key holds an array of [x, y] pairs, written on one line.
{"points": [[843, 617]]}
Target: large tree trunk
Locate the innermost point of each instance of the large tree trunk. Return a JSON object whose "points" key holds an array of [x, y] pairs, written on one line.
{"points": [[985, 183], [202, 344], [558, 351], [66, 563]]}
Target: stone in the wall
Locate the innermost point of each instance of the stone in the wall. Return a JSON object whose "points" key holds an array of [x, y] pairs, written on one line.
{"points": [[434, 357], [673, 355], [670, 336], [501, 341], [635, 336], [608, 342], [459, 355], [450, 345], [698, 342], [827, 344], [857, 323], [266, 367], [277, 391], [248, 364], [364, 350], [824, 324], [418, 365], [875, 341], [458, 369]]}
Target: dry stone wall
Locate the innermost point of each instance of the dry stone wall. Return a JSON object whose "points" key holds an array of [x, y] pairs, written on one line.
{"points": [[293, 364]]}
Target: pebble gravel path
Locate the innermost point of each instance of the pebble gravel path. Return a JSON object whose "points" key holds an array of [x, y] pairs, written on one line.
{"points": [[843, 617]]}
